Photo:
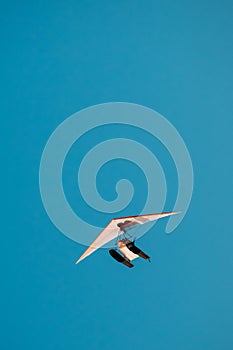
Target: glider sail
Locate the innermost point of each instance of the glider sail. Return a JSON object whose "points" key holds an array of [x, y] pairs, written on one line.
{"points": [[119, 226]]}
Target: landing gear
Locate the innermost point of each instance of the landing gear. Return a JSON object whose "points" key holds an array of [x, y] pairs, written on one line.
{"points": [[118, 257], [131, 246]]}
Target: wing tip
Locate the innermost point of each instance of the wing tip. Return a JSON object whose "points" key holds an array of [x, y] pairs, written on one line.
{"points": [[78, 261]]}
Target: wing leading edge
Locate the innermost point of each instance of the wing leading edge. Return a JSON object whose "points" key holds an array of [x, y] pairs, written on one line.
{"points": [[123, 224]]}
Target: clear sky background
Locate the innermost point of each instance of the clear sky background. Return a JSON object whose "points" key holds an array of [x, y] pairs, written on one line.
{"points": [[58, 57]]}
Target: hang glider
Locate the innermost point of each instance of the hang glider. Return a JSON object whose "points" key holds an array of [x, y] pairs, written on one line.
{"points": [[118, 228]]}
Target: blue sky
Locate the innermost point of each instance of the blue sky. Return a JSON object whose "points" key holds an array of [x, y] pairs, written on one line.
{"points": [[175, 57]]}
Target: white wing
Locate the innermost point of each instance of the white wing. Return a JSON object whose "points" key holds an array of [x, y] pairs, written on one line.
{"points": [[111, 231]]}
